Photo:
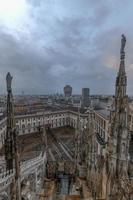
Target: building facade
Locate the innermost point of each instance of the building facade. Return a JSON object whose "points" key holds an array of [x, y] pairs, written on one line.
{"points": [[30, 123], [96, 151]]}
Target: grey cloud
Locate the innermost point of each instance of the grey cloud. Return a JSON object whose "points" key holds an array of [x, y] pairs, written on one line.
{"points": [[63, 48]]}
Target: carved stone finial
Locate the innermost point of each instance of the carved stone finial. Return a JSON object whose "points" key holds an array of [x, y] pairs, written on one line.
{"points": [[9, 81]]}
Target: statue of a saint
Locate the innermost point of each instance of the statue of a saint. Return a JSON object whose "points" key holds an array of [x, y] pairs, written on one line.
{"points": [[8, 81], [123, 42]]}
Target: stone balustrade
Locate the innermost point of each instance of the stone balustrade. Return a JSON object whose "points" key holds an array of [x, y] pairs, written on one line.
{"points": [[6, 179], [26, 168], [30, 166]]}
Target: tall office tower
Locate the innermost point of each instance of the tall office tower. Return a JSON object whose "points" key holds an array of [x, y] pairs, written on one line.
{"points": [[68, 91], [85, 97]]}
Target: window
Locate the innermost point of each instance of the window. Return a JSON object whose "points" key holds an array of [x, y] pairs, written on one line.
{"points": [[23, 126], [29, 127], [17, 127]]}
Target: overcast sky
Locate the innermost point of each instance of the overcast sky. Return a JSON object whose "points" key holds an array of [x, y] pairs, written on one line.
{"points": [[46, 44]]}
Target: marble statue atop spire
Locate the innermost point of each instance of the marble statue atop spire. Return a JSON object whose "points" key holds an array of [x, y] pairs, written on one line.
{"points": [[123, 42], [8, 81]]}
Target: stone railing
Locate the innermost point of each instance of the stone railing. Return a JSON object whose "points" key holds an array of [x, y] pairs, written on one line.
{"points": [[30, 166], [6, 179], [26, 168]]}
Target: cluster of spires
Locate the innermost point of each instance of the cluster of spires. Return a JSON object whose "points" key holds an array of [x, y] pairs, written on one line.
{"points": [[10, 139]]}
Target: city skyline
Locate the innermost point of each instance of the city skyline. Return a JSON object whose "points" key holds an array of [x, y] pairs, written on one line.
{"points": [[46, 45], [68, 148]]}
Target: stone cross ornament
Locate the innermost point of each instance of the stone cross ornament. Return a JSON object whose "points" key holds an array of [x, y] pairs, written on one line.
{"points": [[123, 42], [9, 81]]}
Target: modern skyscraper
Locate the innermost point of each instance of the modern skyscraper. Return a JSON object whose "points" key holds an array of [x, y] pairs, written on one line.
{"points": [[67, 91], [85, 97]]}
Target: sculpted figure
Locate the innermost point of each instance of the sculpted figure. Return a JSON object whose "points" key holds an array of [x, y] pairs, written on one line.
{"points": [[8, 81], [123, 42]]}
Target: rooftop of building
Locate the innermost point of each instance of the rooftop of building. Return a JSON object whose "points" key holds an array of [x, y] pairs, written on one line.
{"points": [[104, 113]]}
